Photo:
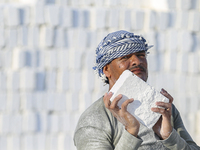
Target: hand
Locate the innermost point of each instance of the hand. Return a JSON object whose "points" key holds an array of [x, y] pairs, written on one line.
{"points": [[163, 127], [129, 121]]}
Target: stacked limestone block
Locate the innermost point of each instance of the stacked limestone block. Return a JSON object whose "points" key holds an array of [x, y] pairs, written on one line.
{"points": [[47, 50]]}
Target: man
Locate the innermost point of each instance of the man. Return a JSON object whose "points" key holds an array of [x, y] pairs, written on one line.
{"points": [[105, 126]]}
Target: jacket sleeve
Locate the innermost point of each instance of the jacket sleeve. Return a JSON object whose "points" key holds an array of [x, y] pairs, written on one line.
{"points": [[90, 138], [97, 129], [179, 138]]}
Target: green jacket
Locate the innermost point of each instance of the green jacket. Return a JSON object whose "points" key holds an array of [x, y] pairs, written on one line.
{"points": [[98, 129]]}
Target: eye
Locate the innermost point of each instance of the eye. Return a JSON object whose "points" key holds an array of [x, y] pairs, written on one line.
{"points": [[126, 57], [142, 55]]}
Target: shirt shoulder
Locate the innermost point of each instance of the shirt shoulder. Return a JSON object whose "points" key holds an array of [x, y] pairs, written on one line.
{"points": [[96, 116]]}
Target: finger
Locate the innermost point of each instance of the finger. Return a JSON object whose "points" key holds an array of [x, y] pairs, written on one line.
{"points": [[166, 94], [115, 102], [158, 110], [164, 105], [106, 99], [125, 104]]}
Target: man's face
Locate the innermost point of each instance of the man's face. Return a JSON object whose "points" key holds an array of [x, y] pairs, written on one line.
{"points": [[135, 62]]}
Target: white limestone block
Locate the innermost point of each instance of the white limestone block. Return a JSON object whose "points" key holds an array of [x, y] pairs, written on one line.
{"points": [[43, 122], [185, 41], [193, 62], [73, 101], [1, 16], [153, 62], [138, 20], [51, 80], [191, 120], [3, 80], [27, 141], [82, 39], [54, 123], [13, 101], [39, 103], [88, 82], [63, 80], [76, 18], [197, 123], [126, 19], [86, 22], [5, 123], [171, 40], [52, 141], [18, 58], [27, 79], [184, 4], [13, 80], [75, 59], [40, 141], [60, 102], [47, 36], [33, 36], [87, 99], [63, 2], [149, 20], [98, 18], [113, 18], [60, 40], [145, 96], [50, 101], [40, 81], [75, 80], [3, 142], [65, 122], [182, 20], [66, 17], [160, 5], [51, 59], [194, 99], [161, 42], [70, 36], [27, 101], [170, 61], [25, 15], [13, 142], [40, 59], [163, 20], [11, 42], [194, 21], [12, 16], [171, 4], [29, 122], [22, 36], [52, 15], [182, 62], [16, 123], [192, 88], [63, 59], [3, 100], [38, 14], [2, 36]]}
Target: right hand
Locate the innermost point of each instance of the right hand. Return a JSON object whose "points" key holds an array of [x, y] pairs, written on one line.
{"points": [[131, 124]]}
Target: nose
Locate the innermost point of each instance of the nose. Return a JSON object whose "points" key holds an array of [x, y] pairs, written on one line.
{"points": [[135, 60]]}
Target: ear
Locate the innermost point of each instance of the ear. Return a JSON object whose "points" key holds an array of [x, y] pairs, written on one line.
{"points": [[106, 70]]}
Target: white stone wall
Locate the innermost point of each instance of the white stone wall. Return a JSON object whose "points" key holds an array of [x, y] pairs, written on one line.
{"points": [[47, 50]]}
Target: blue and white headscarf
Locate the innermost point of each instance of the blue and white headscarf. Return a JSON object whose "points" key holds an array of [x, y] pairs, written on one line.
{"points": [[118, 44]]}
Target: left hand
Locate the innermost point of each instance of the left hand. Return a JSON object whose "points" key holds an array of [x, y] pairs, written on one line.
{"points": [[163, 127]]}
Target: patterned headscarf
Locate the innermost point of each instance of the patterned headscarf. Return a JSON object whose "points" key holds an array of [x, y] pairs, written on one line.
{"points": [[118, 44]]}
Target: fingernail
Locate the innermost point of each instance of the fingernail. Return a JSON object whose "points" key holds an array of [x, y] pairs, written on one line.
{"points": [[110, 93]]}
